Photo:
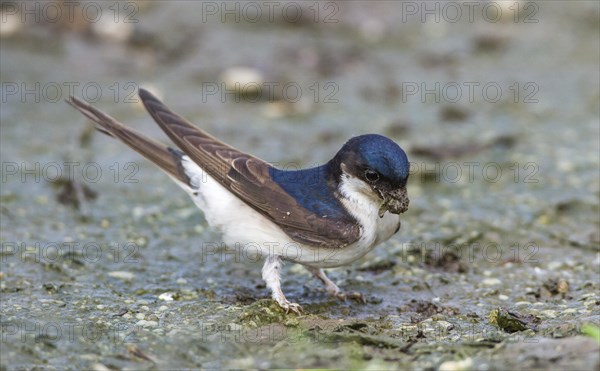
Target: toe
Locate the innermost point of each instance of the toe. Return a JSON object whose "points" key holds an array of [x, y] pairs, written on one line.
{"points": [[340, 295], [357, 296], [294, 307]]}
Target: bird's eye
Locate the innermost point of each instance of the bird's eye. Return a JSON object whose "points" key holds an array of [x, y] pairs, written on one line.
{"points": [[371, 175]]}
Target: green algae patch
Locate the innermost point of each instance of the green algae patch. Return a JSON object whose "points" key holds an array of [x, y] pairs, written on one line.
{"points": [[266, 311], [591, 331], [510, 321]]}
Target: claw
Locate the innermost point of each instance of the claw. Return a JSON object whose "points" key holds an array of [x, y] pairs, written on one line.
{"points": [[353, 295], [357, 296], [296, 308], [288, 306], [340, 295]]}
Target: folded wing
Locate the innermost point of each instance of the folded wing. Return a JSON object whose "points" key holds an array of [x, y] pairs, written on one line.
{"points": [[248, 178]]}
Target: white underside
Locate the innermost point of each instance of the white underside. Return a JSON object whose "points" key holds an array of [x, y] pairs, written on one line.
{"points": [[253, 234]]}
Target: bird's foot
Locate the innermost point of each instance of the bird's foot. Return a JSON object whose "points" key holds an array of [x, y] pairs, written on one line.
{"points": [[333, 289], [352, 295], [289, 306]]}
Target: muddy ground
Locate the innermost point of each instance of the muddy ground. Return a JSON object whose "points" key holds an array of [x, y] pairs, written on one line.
{"points": [[106, 264]]}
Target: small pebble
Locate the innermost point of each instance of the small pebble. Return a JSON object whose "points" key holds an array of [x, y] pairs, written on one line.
{"points": [[108, 28], [554, 265], [522, 303], [465, 364], [491, 281], [11, 23], [99, 367], [166, 296], [125, 276], [242, 79], [548, 313], [144, 323]]}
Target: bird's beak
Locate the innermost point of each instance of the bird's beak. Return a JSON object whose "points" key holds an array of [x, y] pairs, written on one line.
{"points": [[396, 202]]}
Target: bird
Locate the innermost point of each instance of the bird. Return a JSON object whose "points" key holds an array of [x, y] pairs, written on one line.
{"points": [[321, 217]]}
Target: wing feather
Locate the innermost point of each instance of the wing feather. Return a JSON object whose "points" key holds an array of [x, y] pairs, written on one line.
{"points": [[248, 178]]}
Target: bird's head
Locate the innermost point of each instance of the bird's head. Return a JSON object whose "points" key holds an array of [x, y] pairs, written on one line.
{"points": [[378, 168]]}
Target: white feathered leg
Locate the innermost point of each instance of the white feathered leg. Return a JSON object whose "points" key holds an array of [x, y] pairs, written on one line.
{"points": [[270, 273]]}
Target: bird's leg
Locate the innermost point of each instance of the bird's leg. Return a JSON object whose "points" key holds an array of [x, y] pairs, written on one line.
{"points": [[332, 288], [270, 273]]}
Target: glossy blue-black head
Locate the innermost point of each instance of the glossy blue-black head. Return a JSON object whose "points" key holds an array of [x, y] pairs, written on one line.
{"points": [[378, 162]]}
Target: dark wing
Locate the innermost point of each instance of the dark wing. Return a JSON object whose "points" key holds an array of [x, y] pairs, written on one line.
{"points": [[248, 178], [168, 159]]}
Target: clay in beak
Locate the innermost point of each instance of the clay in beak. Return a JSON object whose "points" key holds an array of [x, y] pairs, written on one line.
{"points": [[396, 202]]}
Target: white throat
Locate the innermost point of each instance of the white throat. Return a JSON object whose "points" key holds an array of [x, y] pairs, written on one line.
{"points": [[363, 204]]}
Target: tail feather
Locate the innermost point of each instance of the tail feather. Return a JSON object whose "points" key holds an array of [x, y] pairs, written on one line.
{"points": [[168, 159]]}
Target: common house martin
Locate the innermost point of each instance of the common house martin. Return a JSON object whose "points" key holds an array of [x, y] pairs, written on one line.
{"points": [[322, 217]]}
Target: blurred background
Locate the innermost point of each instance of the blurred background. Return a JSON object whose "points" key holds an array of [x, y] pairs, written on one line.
{"points": [[495, 102]]}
